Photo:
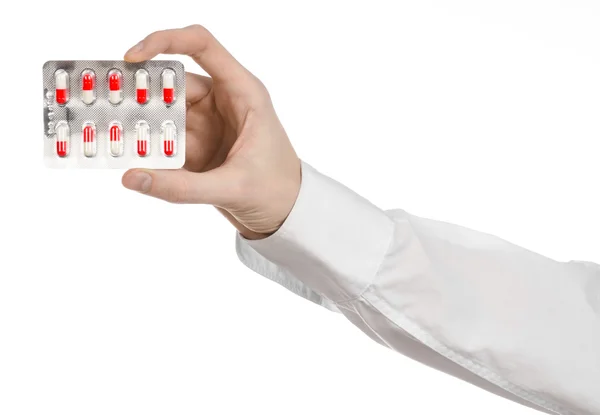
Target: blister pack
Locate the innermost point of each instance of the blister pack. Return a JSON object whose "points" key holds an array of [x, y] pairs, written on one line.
{"points": [[114, 114]]}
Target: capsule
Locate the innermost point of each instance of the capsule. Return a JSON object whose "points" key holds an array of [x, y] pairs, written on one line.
{"points": [[115, 134], [62, 133], [88, 133], [61, 84], [168, 138], [168, 86], [88, 86], [115, 86], [142, 141], [142, 80]]}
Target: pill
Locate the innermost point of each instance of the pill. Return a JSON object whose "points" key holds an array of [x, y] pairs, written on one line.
{"points": [[168, 86], [88, 86], [169, 138], [89, 139], [61, 83], [62, 138], [115, 86], [141, 86], [115, 133], [142, 142]]}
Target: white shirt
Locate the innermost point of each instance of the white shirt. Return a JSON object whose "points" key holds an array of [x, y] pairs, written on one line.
{"points": [[508, 320]]}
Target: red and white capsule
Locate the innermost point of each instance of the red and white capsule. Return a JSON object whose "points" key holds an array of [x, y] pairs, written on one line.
{"points": [[115, 86], [142, 84], [142, 138], [88, 86], [61, 85], [168, 138], [168, 86], [88, 137], [115, 137], [63, 139]]}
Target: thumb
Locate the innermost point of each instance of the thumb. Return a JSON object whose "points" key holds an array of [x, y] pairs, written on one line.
{"points": [[178, 186]]}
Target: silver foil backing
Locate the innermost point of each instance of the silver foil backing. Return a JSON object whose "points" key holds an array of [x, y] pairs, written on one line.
{"points": [[102, 113]]}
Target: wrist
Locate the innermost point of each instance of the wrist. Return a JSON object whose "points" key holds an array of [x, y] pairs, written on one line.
{"points": [[319, 241], [268, 199], [279, 200]]}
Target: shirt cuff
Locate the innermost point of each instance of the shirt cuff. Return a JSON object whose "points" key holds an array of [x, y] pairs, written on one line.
{"points": [[333, 239]]}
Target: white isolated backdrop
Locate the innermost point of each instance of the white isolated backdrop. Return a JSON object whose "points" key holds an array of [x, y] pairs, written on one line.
{"points": [[484, 114]]}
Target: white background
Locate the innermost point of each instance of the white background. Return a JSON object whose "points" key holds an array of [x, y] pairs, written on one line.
{"points": [[484, 114]]}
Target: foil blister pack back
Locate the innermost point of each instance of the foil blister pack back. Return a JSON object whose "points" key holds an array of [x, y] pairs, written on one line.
{"points": [[114, 114]]}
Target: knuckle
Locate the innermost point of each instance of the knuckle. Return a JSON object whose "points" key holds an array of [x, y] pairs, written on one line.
{"points": [[161, 33], [199, 30], [178, 194], [153, 37], [260, 86], [261, 92], [173, 197]]}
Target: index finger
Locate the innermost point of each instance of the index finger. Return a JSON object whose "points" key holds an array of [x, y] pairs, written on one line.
{"points": [[196, 42]]}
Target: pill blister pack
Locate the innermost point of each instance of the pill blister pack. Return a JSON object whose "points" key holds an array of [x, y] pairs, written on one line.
{"points": [[114, 114]]}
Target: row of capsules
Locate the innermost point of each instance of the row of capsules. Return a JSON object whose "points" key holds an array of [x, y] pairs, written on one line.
{"points": [[115, 86], [115, 134]]}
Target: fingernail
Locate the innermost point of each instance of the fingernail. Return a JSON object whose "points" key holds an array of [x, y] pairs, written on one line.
{"points": [[138, 181], [136, 48]]}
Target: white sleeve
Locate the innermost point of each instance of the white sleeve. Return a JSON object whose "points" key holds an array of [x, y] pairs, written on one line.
{"points": [[508, 320]]}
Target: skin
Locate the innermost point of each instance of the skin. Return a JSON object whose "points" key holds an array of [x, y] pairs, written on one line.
{"points": [[238, 155]]}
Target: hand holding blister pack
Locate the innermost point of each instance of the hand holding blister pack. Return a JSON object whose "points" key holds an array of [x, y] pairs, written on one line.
{"points": [[114, 114]]}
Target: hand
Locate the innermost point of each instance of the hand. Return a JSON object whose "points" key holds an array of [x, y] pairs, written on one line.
{"points": [[238, 156]]}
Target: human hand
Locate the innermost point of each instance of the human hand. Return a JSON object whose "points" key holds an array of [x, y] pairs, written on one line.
{"points": [[238, 155]]}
